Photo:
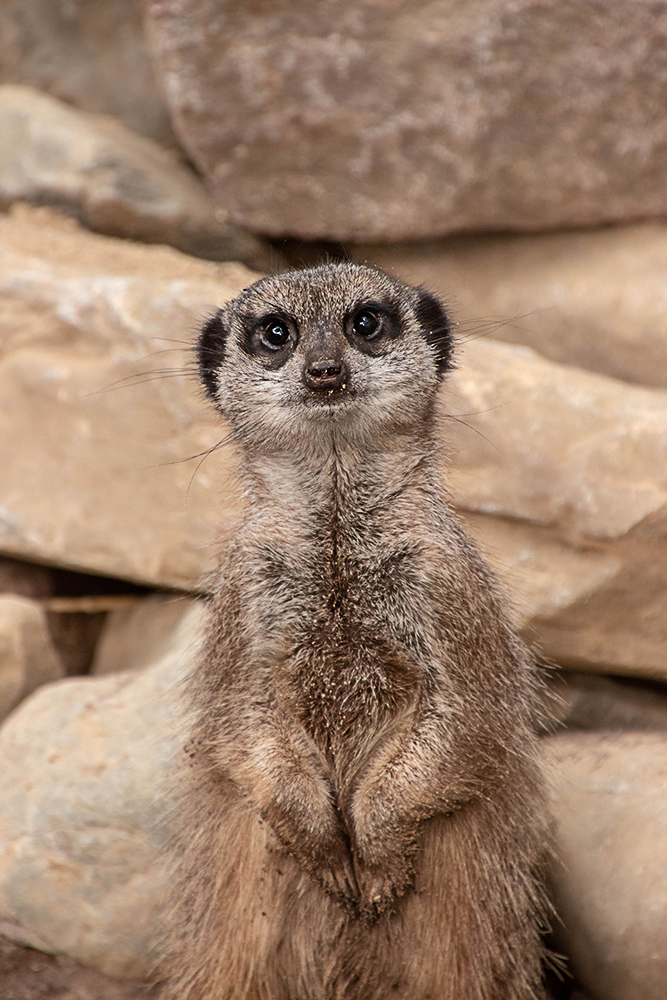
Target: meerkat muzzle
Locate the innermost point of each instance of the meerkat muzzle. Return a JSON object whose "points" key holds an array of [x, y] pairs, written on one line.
{"points": [[325, 375]]}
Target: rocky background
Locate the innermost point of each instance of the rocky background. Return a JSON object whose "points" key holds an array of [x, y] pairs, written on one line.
{"points": [[509, 154]]}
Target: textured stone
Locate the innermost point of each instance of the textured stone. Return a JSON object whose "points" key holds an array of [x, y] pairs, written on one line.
{"points": [[28, 657], [90, 53], [572, 469], [135, 636], [111, 179], [609, 882], [83, 785], [594, 299], [396, 120], [99, 415], [588, 454], [562, 474]]}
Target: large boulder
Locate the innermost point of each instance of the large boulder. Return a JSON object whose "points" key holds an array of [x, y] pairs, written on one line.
{"points": [[561, 473], [396, 120], [85, 768], [96, 169], [595, 299], [609, 879], [564, 474], [101, 419], [89, 53], [146, 631], [28, 657]]}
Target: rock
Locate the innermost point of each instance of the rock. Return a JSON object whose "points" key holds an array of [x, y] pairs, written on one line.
{"points": [[593, 299], [75, 635], [135, 636], [28, 657], [570, 470], [384, 121], [89, 53], [562, 475], [99, 415], [111, 179], [588, 454], [584, 701], [27, 579], [26, 974], [609, 800], [83, 782]]}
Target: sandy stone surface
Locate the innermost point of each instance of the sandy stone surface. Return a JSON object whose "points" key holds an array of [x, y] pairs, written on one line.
{"points": [[154, 627], [397, 120], [609, 799], [111, 179], [28, 657], [84, 782], [560, 473], [99, 415], [596, 299], [565, 475]]}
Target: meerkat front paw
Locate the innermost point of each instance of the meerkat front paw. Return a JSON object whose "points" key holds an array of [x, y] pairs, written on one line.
{"points": [[382, 885]]}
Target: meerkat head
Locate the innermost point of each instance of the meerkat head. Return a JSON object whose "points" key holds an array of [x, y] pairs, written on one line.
{"points": [[338, 348]]}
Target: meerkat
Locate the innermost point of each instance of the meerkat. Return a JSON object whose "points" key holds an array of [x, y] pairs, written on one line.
{"points": [[363, 813]]}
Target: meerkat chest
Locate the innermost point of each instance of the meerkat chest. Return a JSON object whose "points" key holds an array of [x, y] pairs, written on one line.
{"points": [[347, 632]]}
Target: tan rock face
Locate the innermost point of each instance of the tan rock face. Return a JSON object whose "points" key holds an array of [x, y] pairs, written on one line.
{"points": [[564, 473], [85, 786], [111, 179], [80, 836], [401, 120], [609, 800], [89, 53], [96, 447], [561, 475], [28, 657], [134, 637], [594, 299]]}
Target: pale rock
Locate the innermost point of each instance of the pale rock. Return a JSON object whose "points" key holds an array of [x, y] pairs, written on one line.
{"points": [[390, 119], [112, 180], [101, 414], [85, 769], [570, 469], [587, 454], [609, 879], [90, 53], [28, 657], [135, 636], [562, 475], [595, 299]]}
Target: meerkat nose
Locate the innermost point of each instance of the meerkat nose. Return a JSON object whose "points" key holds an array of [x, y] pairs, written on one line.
{"points": [[327, 374]]}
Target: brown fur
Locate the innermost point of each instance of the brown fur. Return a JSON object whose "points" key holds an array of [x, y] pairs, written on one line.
{"points": [[362, 813]]}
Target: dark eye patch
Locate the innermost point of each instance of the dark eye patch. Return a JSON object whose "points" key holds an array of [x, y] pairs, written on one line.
{"points": [[436, 328], [211, 350], [370, 325], [270, 338]]}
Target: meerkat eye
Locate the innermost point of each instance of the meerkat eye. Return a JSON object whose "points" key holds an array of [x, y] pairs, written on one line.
{"points": [[274, 334], [366, 324]]}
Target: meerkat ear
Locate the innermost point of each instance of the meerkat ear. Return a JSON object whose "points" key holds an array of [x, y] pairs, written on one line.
{"points": [[211, 351], [436, 328]]}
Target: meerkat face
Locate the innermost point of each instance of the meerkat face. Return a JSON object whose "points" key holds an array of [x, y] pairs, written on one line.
{"points": [[337, 348]]}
